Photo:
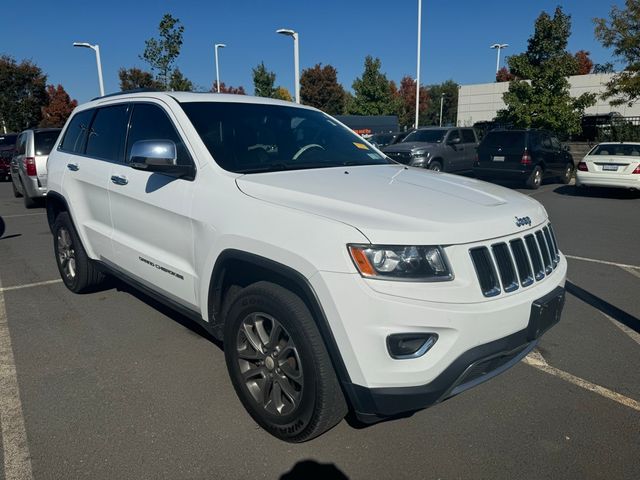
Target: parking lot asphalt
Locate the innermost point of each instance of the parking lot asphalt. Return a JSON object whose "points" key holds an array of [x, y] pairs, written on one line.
{"points": [[113, 385]]}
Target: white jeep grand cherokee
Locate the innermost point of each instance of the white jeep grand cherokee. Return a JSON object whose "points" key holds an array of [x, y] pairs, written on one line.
{"points": [[337, 279]]}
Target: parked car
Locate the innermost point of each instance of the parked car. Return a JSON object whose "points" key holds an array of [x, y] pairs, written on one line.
{"points": [[336, 279], [383, 139], [523, 155], [611, 165], [449, 149], [7, 147], [29, 164]]}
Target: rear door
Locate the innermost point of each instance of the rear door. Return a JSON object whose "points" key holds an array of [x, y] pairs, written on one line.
{"points": [[454, 157], [18, 158], [152, 236], [548, 153]]}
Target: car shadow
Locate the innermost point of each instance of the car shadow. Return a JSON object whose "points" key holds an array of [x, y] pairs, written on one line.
{"points": [[312, 470], [10, 236], [605, 307], [597, 192]]}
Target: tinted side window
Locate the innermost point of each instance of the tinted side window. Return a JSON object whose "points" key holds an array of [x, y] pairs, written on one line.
{"points": [[21, 147], [468, 136], [44, 141], [555, 143], [149, 122], [107, 133], [453, 134], [546, 142], [76, 134]]}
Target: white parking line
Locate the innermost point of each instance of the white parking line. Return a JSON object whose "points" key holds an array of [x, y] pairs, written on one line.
{"points": [[23, 215], [632, 271], [536, 360], [17, 460], [29, 285], [603, 262]]}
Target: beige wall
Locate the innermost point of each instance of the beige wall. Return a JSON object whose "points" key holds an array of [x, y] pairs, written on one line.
{"points": [[481, 101]]}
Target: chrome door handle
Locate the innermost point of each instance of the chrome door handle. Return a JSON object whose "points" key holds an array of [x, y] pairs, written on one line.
{"points": [[119, 179], [73, 167]]}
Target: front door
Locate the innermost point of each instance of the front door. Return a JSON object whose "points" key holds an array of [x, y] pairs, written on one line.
{"points": [[152, 236]]}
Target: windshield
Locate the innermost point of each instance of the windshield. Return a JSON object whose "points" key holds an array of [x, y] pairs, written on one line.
{"points": [[251, 138], [6, 140], [617, 149], [428, 136]]}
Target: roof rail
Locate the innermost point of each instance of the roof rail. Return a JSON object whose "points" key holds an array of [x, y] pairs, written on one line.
{"points": [[124, 92]]}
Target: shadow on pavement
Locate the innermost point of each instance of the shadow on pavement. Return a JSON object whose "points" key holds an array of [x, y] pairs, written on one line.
{"points": [[310, 470], [605, 307], [10, 236], [598, 192], [2, 226]]}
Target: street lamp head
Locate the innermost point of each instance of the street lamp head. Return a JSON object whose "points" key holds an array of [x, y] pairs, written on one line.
{"points": [[286, 31], [219, 45], [499, 45], [83, 44]]}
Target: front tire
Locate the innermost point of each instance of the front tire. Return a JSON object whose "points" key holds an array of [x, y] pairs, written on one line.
{"points": [[279, 365], [568, 173], [436, 166], [76, 269], [535, 179]]}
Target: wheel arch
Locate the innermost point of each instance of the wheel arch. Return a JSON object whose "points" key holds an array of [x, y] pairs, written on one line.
{"points": [[55, 204], [237, 267]]}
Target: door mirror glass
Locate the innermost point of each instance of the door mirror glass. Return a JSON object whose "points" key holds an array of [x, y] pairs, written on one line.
{"points": [[454, 141], [153, 153]]}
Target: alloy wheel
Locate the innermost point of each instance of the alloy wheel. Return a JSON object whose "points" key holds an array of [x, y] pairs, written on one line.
{"points": [[269, 364], [66, 253]]}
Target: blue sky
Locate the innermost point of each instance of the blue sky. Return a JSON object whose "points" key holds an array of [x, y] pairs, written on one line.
{"points": [[455, 41]]}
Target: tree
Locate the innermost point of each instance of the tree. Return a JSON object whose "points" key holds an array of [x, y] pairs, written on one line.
{"points": [[504, 75], [606, 67], [263, 81], [544, 101], [229, 89], [622, 33], [406, 101], [180, 83], [22, 95], [584, 63], [319, 88], [161, 53], [59, 107], [431, 115], [282, 93], [372, 91], [134, 78]]}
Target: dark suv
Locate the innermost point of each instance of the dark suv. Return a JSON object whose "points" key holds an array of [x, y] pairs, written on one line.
{"points": [[449, 149], [7, 148], [525, 155]]}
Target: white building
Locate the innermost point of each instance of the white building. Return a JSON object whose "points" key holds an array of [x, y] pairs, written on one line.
{"points": [[481, 101]]}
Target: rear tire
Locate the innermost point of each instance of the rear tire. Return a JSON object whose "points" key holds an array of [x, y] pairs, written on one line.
{"points": [[535, 179], [16, 193], [568, 173], [77, 271], [279, 366]]}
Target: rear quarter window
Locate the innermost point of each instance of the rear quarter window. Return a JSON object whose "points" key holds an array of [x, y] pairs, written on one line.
{"points": [[76, 133], [44, 141]]}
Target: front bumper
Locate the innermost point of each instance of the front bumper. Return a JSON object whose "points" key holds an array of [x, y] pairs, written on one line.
{"points": [[472, 368], [607, 180]]}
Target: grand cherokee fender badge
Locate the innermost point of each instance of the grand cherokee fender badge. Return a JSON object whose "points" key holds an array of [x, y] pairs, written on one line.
{"points": [[161, 268], [522, 221]]}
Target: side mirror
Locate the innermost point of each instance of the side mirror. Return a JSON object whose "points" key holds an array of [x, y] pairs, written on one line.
{"points": [[158, 156], [454, 141]]}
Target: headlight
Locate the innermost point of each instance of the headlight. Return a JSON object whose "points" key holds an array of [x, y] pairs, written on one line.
{"points": [[409, 263], [420, 153]]}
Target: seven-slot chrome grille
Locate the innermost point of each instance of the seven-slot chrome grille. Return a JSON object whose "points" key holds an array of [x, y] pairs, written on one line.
{"points": [[509, 265]]}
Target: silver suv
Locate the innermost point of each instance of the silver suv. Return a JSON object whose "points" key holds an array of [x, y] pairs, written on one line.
{"points": [[29, 164], [442, 149]]}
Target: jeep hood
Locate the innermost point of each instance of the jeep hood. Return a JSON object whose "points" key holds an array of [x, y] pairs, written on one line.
{"points": [[392, 204]]}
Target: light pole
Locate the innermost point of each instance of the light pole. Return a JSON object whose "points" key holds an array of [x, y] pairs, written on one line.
{"points": [[296, 58], [499, 46], [418, 62], [215, 49], [95, 48], [441, 104]]}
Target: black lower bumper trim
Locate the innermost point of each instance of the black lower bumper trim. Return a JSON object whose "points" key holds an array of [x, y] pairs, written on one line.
{"points": [[473, 367]]}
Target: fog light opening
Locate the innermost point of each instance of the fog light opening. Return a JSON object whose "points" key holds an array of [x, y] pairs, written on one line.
{"points": [[402, 346]]}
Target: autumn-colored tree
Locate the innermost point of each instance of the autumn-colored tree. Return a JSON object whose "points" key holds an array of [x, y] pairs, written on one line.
{"points": [[406, 101], [230, 89], [281, 93], [134, 78], [22, 94], [58, 109], [504, 75], [584, 62], [319, 88]]}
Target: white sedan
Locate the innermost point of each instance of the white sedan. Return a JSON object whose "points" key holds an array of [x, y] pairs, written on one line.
{"points": [[610, 165]]}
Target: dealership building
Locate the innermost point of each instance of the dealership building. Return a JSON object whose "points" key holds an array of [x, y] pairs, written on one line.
{"points": [[481, 102]]}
